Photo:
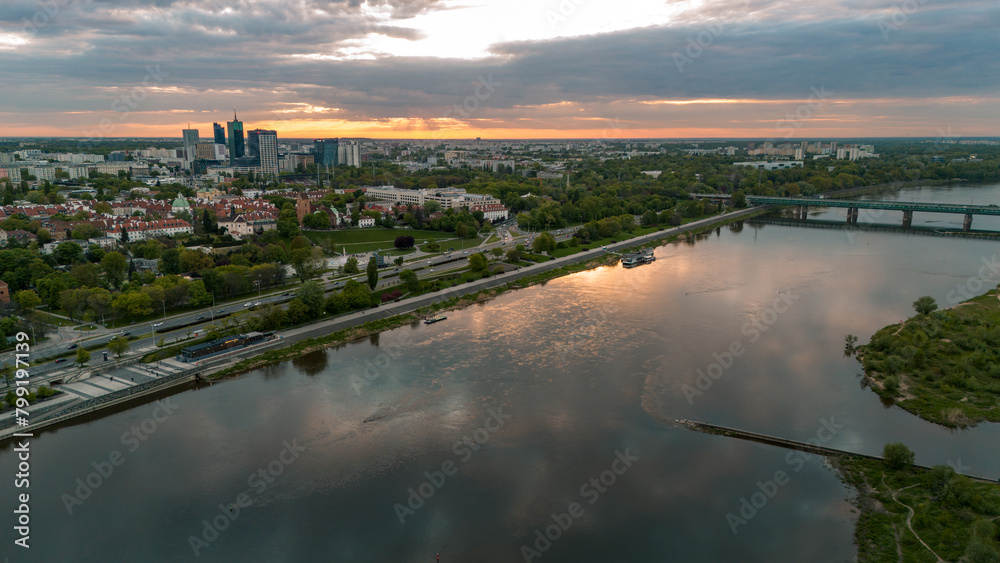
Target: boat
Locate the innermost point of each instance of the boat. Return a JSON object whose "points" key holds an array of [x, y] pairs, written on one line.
{"points": [[432, 320], [631, 260]]}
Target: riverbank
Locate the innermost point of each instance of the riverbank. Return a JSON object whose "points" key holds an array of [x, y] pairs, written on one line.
{"points": [[943, 366], [915, 514]]}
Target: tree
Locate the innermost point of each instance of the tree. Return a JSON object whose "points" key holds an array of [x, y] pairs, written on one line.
{"points": [[307, 262], [925, 305], [68, 253], [372, 271], [477, 262], [115, 268], [739, 199], [82, 355], [897, 456], [649, 218], [398, 261], [979, 551], [351, 267], [133, 304], [543, 243], [118, 345], [311, 295], [404, 241], [27, 298], [409, 277]]}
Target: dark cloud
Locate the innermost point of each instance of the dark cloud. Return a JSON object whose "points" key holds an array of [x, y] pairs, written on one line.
{"points": [[258, 54]]}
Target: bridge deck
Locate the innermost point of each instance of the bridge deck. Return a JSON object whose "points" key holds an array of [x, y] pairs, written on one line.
{"points": [[890, 205]]}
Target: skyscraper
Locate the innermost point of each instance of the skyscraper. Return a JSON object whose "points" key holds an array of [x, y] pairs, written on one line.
{"points": [[234, 130], [267, 148], [326, 152], [253, 143], [220, 134], [190, 142]]}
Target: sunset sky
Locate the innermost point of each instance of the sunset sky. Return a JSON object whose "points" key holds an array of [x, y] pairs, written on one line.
{"points": [[502, 68]]}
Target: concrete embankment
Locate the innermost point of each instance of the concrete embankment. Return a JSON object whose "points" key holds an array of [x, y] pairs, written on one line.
{"points": [[807, 447]]}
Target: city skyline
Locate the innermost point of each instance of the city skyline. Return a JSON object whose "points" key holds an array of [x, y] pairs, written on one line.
{"points": [[512, 70]]}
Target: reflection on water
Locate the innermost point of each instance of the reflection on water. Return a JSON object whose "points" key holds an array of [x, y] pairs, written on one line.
{"points": [[405, 455]]}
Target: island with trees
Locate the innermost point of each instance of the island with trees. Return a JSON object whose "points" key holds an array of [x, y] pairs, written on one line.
{"points": [[942, 365]]}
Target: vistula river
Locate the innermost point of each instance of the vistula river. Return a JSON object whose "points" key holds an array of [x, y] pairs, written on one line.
{"points": [[545, 412]]}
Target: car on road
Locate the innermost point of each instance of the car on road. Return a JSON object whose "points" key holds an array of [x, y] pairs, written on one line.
{"points": [[201, 318], [72, 346], [157, 324], [286, 294], [257, 304], [247, 304], [60, 360], [126, 334], [221, 311], [432, 269]]}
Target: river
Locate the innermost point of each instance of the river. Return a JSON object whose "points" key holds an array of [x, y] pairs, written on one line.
{"points": [[546, 410]]}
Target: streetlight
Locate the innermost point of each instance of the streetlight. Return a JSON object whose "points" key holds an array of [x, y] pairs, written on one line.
{"points": [[152, 328]]}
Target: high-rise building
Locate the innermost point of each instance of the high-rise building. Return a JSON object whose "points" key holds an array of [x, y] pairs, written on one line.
{"points": [[253, 143], [326, 152], [190, 142], [267, 149], [220, 134], [349, 154], [234, 130]]}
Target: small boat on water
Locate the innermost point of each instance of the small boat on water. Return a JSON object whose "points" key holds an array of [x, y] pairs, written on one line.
{"points": [[432, 320]]}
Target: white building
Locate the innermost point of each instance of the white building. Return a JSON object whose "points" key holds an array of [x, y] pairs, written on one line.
{"points": [[366, 222], [142, 230], [349, 153], [43, 173]]}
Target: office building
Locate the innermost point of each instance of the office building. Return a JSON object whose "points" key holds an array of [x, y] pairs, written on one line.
{"points": [[326, 152], [234, 130], [267, 150], [253, 143], [190, 142], [220, 134]]}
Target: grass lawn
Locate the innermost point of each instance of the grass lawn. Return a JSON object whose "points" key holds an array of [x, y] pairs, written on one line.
{"points": [[51, 319]]}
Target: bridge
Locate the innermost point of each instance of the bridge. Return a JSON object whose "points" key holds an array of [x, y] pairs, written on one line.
{"points": [[853, 206]]}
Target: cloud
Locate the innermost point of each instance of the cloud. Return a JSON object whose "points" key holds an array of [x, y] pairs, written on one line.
{"points": [[261, 54]]}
